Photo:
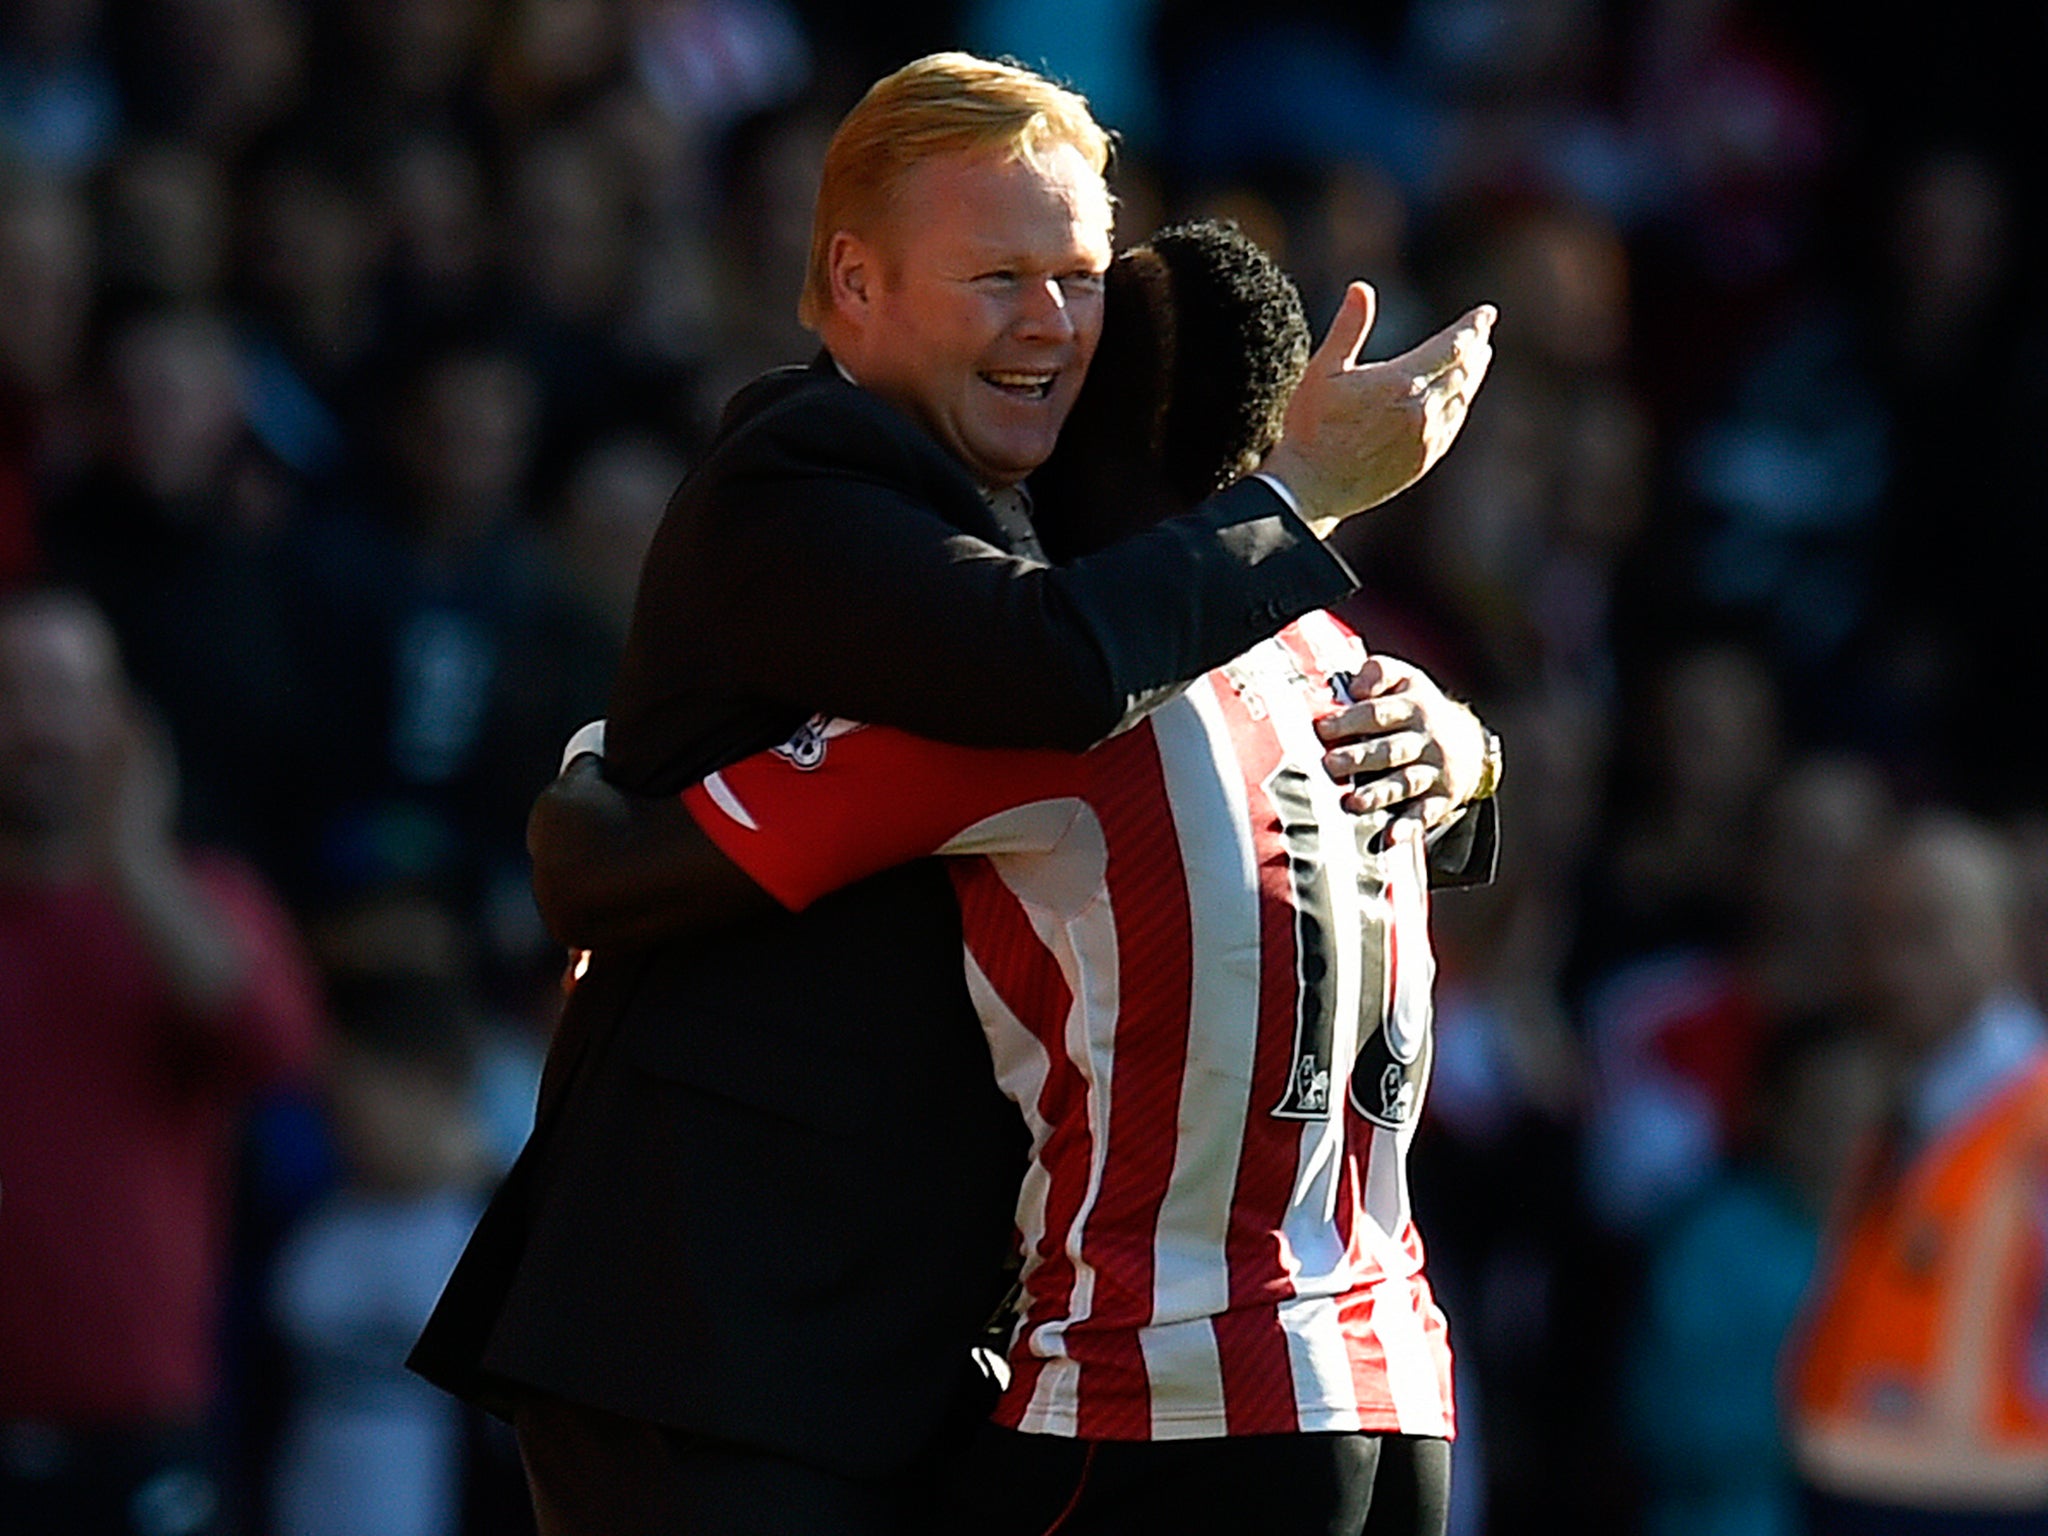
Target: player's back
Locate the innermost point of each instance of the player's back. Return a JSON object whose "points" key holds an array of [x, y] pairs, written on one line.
{"points": [[1209, 996]]}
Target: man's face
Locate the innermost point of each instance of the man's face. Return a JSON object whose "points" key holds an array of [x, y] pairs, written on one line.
{"points": [[1932, 952], [59, 710], [986, 302]]}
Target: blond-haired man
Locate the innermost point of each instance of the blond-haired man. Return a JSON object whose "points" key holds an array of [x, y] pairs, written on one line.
{"points": [[729, 1285]]}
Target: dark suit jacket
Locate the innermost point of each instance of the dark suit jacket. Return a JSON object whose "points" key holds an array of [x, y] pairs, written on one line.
{"points": [[772, 1177]]}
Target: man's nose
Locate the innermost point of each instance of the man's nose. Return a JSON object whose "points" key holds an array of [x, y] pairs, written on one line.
{"points": [[1043, 311]]}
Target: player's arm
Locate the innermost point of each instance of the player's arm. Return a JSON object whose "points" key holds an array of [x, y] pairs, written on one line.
{"points": [[618, 871], [775, 831]]}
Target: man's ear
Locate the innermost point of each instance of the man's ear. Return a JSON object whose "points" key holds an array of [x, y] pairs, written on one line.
{"points": [[855, 274]]}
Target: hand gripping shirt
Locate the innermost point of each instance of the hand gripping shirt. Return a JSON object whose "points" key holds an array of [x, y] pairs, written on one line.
{"points": [[1207, 988]]}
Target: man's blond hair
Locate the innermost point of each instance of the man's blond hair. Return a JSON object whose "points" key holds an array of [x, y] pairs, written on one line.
{"points": [[942, 104]]}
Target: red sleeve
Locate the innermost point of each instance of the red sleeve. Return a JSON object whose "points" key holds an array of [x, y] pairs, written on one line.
{"points": [[842, 801], [269, 1032]]}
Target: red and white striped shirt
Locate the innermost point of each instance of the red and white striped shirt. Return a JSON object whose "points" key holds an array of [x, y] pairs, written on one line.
{"points": [[1208, 993]]}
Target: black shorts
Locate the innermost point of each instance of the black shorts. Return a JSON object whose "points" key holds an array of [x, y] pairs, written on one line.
{"points": [[1013, 1484]]}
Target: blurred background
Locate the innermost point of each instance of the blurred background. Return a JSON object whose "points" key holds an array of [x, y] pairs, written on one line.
{"points": [[349, 350]]}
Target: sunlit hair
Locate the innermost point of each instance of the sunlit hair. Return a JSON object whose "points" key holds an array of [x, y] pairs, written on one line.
{"points": [[942, 104]]}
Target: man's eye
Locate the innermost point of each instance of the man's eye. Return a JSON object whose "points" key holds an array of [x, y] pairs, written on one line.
{"points": [[1001, 278], [1082, 282]]}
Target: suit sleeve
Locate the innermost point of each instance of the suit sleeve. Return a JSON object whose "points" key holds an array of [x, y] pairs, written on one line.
{"points": [[842, 802], [850, 595]]}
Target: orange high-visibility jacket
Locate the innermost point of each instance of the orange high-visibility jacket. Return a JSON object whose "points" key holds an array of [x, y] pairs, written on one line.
{"points": [[1910, 1377]]}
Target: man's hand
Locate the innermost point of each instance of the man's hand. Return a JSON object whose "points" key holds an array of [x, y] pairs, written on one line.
{"points": [[581, 832], [612, 870], [1410, 752], [132, 842], [134, 799], [1358, 433]]}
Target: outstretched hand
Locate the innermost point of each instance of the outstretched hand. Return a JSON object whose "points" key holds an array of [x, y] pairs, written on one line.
{"points": [[1358, 433]]}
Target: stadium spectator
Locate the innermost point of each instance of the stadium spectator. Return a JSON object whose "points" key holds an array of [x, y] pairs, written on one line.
{"points": [[610, 510], [46, 269], [443, 235], [1724, 1282], [446, 654], [1916, 1379], [1674, 1024], [358, 1276], [1725, 1269], [179, 532], [164, 227], [311, 324], [145, 993], [222, 75]]}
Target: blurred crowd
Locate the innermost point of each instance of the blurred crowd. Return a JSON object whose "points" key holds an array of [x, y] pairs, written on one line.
{"points": [[349, 352]]}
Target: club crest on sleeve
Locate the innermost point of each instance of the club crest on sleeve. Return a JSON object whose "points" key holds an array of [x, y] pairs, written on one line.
{"points": [[806, 748]]}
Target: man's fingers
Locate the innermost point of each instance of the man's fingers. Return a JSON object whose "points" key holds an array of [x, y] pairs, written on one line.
{"points": [[1347, 333], [1381, 753], [1448, 425], [1464, 344], [1376, 754], [1384, 823], [1375, 823], [1389, 789], [1454, 383], [1380, 676], [1368, 717], [1459, 381], [1430, 811], [1443, 414], [1410, 823], [1474, 358]]}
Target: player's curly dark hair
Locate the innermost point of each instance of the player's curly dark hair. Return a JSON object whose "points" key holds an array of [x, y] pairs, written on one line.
{"points": [[1203, 341], [1241, 342]]}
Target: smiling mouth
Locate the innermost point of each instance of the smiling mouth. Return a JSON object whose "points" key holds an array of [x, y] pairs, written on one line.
{"points": [[1021, 385]]}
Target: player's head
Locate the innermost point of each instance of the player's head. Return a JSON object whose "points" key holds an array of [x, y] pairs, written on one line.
{"points": [[961, 231], [1203, 344]]}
